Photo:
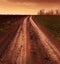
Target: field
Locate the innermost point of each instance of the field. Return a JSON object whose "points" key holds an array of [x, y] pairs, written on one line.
{"points": [[50, 22], [7, 22]]}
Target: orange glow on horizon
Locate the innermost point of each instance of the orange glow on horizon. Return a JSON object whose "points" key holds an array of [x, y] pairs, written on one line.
{"points": [[25, 8]]}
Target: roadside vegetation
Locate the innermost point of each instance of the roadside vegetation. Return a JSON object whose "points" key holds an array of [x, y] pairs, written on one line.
{"points": [[50, 22], [7, 22]]}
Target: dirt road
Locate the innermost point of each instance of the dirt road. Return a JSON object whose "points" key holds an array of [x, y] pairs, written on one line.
{"points": [[31, 46]]}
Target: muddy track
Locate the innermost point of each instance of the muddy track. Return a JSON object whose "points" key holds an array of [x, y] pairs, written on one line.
{"points": [[31, 46]]}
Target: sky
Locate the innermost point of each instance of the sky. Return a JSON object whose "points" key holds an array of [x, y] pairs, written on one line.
{"points": [[25, 7]]}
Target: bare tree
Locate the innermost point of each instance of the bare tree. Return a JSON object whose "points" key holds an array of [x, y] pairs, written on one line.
{"points": [[57, 12], [41, 12], [51, 12]]}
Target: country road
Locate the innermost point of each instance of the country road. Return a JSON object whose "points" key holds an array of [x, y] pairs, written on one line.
{"points": [[31, 45]]}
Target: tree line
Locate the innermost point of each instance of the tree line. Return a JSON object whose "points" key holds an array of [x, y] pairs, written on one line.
{"points": [[50, 12]]}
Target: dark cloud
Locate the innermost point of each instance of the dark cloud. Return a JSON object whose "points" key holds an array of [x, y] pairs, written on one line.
{"points": [[34, 0]]}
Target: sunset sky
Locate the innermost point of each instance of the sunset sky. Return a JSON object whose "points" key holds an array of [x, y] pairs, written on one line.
{"points": [[27, 6]]}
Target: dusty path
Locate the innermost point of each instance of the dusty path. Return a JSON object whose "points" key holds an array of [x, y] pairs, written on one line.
{"points": [[31, 46], [44, 49]]}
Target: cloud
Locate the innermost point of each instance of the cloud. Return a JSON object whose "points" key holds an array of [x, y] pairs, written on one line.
{"points": [[34, 1]]}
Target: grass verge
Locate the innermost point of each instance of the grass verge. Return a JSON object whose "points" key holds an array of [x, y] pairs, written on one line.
{"points": [[50, 22]]}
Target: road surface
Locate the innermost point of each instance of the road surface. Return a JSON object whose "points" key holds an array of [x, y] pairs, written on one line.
{"points": [[31, 45]]}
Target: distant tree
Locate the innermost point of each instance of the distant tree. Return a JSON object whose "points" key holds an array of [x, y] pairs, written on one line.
{"points": [[41, 12], [51, 12], [57, 12]]}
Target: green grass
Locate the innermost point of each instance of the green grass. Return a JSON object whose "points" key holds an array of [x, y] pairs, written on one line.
{"points": [[52, 23], [5, 26], [7, 22]]}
